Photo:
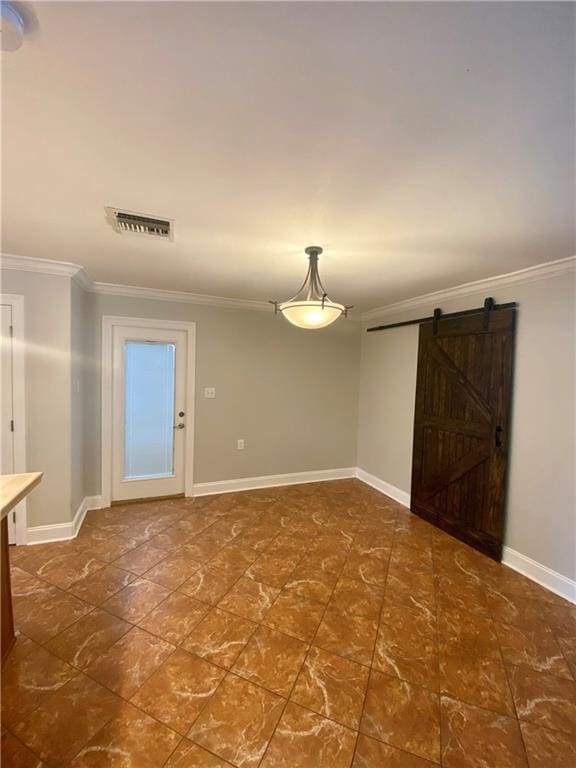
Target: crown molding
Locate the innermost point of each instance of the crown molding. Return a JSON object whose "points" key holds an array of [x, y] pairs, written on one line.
{"points": [[81, 276], [43, 266], [528, 275], [181, 297]]}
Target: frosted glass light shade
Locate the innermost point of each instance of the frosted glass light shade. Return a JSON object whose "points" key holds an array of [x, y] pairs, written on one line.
{"points": [[311, 314]]}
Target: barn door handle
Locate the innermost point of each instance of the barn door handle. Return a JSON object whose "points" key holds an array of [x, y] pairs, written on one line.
{"points": [[498, 436]]}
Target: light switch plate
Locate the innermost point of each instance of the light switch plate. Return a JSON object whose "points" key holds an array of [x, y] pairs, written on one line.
{"points": [[210, 392], [241, 445]]}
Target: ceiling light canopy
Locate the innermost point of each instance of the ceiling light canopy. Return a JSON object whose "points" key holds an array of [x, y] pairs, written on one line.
{"points": [[311, 308]]}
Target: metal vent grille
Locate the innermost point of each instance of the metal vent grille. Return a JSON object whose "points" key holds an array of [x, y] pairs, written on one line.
{"points": [[140, 224]]}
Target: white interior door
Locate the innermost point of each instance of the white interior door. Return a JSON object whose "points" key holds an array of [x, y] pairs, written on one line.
{"points": [[7, 397], [149, 412]]}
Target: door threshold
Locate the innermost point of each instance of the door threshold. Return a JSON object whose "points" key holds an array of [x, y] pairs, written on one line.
{"points": [[122, 502]]}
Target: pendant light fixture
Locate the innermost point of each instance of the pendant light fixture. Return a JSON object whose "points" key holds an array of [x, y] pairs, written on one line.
{"points": [[311, 308]]}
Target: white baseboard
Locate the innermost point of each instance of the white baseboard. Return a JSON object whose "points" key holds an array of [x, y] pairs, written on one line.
{"points": [[271, 481], [541, 574], [43, 534], [402, 497]]}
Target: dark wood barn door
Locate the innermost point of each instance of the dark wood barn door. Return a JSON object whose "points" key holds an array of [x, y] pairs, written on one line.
{"points": [[461, 426]]}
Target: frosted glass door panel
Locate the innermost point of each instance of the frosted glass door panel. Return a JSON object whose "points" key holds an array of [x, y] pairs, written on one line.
{"points": [[149, 381]]}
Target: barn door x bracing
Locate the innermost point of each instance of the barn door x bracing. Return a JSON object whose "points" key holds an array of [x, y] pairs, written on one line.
{"points": [[461, 426]]}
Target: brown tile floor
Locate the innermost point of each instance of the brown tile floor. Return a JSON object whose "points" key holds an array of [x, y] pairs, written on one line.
{"points": [[314, 626]]}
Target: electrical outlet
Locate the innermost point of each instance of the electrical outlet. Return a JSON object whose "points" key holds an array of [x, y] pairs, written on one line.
{"points": [[210, 392], [240, 445]]}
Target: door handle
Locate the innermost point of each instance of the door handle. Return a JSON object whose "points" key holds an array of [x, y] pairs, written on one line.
{"points": [[179, 426], [498, 436]]}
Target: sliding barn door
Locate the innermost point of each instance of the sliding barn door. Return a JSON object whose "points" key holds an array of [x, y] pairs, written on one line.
{"points": [[461, 426]]}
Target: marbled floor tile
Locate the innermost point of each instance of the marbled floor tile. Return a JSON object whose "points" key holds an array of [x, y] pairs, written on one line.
{"points": [[64, 569], [127, 664], [406, 646], [173, 571], [202, 549], [414, 590], [568, 647], [136, 600], [332, 686], [170, 539], [316, 586], [511, 582], [257, 538], [561, 618], [325, 561], [238, 722], [468, 634], [47, 730], [271, 659], [403, 715], [209, 585], [412, 560], [106, 547], [13, 754], [174, 618], [371, 544], [536, 648], [99, 586], [249, 599], [132, 739], [22, 647], [219, 637], [349, 636], [295, 616], [457, 594], [27, 682], [33, 589], [140, 559], [274, 570], [42, 621], [476, 680], [189, 755], [304, 739], [177, 691], [546, 748], [356, 597], [18, 553], [367, 569], [544, 699], [233, 560], [473, 737], [88, 638], [375, 754]]}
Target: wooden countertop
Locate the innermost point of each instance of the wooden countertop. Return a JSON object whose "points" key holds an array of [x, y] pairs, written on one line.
{"points": [[13, 488]]}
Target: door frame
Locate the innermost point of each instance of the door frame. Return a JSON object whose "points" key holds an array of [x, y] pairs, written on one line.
{"points": [[108, 324], [16, 301]]}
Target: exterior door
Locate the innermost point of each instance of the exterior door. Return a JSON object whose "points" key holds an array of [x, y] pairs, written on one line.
{"points": [[461, 427], [7, 447], [149, 412]]}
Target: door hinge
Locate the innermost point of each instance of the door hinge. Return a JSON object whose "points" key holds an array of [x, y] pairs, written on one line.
{"points": [[11, 329], [11, 425]]}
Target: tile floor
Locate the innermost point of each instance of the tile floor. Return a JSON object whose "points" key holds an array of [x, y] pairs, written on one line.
{"points": [[314, 626]]}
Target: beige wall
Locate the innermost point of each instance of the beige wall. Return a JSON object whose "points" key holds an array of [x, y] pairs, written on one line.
{"points": [[291, 394], [541, 517], [47, 319], [302, 401]]}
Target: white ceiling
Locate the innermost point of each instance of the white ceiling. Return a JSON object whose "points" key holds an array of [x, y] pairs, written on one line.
{"points": [[423, 145]]}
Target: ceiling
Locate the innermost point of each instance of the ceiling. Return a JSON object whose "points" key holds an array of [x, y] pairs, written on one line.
{"points": [[423, 145]]}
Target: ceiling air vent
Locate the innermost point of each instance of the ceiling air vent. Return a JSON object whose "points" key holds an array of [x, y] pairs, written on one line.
{"points": [[140, 224]]}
